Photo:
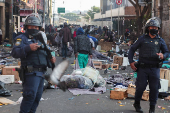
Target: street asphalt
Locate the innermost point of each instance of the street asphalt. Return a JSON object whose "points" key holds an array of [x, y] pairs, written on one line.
{"points": [[57, 101]]}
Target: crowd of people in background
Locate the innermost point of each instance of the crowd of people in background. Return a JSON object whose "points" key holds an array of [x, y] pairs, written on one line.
{"points": [[63, 36]]}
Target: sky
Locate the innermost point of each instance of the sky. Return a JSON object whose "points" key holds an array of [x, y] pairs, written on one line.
{"points": [[77, 4]]}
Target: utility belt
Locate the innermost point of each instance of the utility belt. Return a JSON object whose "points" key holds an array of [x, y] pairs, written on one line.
{"points": [[30, 69], [143, 65]]}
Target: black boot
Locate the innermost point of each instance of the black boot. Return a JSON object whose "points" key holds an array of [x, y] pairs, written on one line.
{"points": [[152, 109], [138, 107]]}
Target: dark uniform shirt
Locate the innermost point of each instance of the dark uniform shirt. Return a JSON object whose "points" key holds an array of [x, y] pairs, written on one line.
{"points": [[22, 48], [137, 45]]}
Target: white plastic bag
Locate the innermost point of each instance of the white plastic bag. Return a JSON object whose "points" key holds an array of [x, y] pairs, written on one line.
{"points": [[91, 73], [100, 82], [76, 65], [90, 63], [77, 72]]}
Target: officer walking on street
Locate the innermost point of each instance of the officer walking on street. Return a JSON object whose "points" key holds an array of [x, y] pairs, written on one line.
{"points": [[152, 51], [34, 62]]}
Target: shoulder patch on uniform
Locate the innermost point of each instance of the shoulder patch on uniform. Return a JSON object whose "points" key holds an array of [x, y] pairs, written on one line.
{"points": [[18, 41]]}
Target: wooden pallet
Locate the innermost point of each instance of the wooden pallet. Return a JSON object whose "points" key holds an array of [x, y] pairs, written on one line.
{"points": [[115, 66], [97, 64], [105, 66]]}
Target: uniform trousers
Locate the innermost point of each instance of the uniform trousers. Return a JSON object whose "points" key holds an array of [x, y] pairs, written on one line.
{"points": [[149, 76], [32, 92]]}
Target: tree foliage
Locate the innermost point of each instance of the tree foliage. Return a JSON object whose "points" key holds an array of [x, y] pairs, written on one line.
{"points": [[142, 13], [71, 16], [91, 12]]}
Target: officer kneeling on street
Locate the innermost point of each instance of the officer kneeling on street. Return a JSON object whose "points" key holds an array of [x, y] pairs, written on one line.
{"points": [[152, 51], [34, 62]]}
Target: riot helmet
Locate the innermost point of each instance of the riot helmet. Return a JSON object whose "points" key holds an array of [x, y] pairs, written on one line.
{"points": [[33, 20], [155, 21]]}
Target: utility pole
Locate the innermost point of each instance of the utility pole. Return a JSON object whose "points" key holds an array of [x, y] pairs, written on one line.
{"points": [[35, 6], [111, 13], [50, 11], [11, 24], [44, 14]]}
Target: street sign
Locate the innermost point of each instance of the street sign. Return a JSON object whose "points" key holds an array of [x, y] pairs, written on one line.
{"points": [[119, 2], [61, 10]]}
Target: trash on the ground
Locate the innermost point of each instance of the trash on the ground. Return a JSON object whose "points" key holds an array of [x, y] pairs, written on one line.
{"points": [[71, 98], [21, 98], [167, 98], [3, 90], [121, 105], [7, 79], [119, 102], [6, 101], [118, 78]]}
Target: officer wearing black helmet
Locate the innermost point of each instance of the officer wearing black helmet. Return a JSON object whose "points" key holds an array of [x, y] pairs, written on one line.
{"points": [[34, 62], [152, 51]]}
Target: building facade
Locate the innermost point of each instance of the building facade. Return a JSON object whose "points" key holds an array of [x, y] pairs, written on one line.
{"points": [[125, 12], [2, 17], [161, 9]]}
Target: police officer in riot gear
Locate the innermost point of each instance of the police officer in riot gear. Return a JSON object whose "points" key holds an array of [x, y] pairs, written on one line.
{"points": [[34, 62], [152, 51]]}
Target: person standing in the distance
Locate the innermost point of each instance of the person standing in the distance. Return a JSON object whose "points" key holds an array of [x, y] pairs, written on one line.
{"points": [[66, 34], [152, 52], [34, 64], [82, 48]]}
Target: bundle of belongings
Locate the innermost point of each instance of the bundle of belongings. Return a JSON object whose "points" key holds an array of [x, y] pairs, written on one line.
{"points": [[85, 78], [118, 79], [98, 55]]}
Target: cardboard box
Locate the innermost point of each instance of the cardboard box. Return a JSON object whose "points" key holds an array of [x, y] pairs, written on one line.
{"points": [[19, 63], [118, 60], [132, 89], [105, 45], [165, 74], [118, 94], [7, 78], [10, 70], [162, 73]]}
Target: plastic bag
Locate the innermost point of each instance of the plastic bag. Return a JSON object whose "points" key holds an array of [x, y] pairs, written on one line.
{"points": [[90, 63], [76, 65], [77, 81], [77, 72], [88, 84], [100, 82], [91, 73]]}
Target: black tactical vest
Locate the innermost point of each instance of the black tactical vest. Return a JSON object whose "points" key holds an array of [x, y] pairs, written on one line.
{"points": [[36, 58], [149, 48]]}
